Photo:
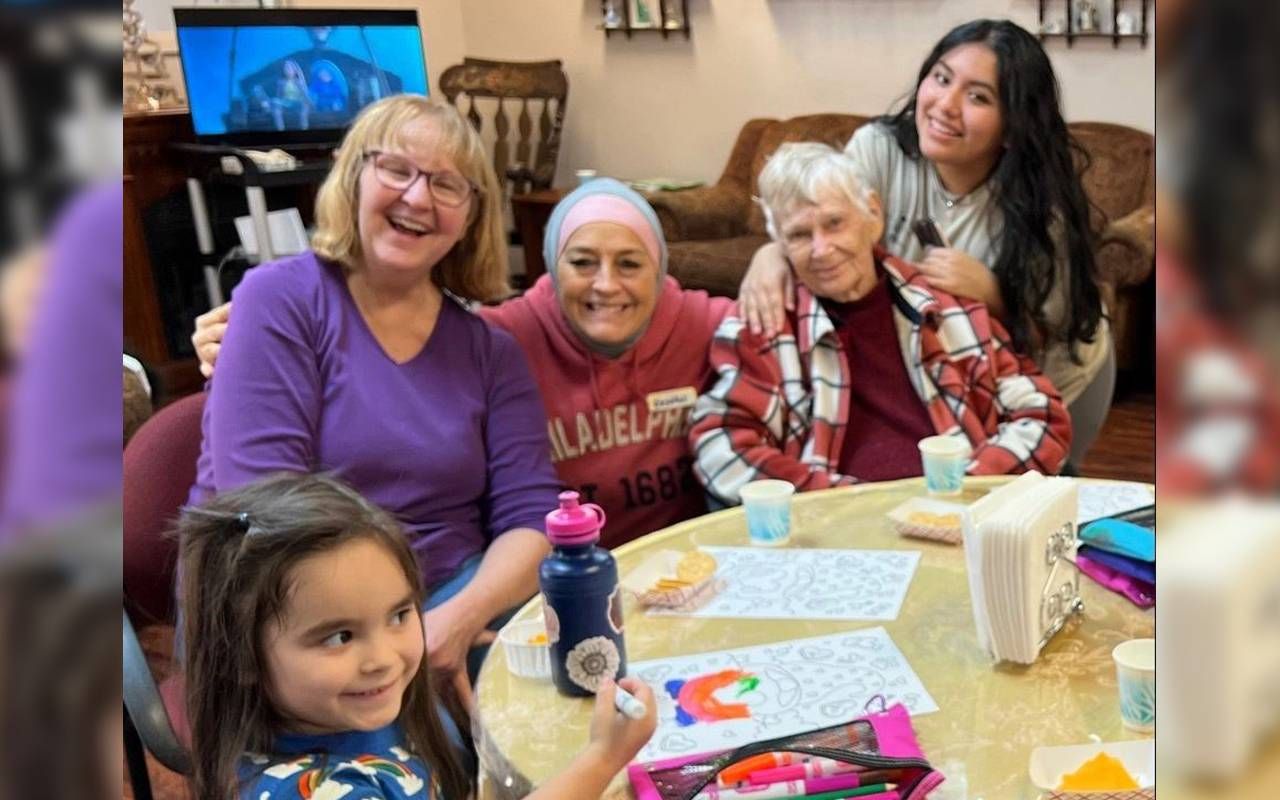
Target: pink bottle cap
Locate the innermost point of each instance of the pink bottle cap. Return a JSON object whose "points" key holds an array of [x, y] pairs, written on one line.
{"points": [[574, 524]]}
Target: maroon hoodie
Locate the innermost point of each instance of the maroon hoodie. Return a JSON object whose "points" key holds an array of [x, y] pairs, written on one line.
{"points": [[618, 426]]}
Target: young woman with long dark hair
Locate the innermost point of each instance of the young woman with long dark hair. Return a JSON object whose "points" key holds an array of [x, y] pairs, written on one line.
{"points": [[980, 147]]}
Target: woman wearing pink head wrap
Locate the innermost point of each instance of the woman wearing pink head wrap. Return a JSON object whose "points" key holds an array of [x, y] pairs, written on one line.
{"points": [[619, 352]]}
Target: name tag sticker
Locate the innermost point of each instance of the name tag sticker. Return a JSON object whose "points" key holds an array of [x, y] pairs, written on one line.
{"points": [[684, 397]]}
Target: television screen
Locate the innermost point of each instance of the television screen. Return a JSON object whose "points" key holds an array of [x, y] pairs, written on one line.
{"points": [[293, 75]]}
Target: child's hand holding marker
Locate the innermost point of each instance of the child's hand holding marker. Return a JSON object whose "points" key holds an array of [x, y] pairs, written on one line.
{"points": [[624, 717], [615, 725]]}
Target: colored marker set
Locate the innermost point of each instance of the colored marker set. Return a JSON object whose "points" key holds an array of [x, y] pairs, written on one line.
{"points": [[774, 767], [828, 788], [789, 776], [785, 768]]}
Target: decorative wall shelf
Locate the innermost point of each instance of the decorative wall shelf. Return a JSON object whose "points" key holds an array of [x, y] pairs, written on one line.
{"points": [[666, 17], [1083, 20]]}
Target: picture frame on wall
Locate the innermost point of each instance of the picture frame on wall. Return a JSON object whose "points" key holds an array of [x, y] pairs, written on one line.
{"points": [[643, 13]]}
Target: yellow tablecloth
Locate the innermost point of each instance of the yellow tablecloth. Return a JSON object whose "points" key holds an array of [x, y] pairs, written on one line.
{"points": [[990, 717]]}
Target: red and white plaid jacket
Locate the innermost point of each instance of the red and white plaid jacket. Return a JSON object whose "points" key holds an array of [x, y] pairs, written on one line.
{"points": [[779, 407]]}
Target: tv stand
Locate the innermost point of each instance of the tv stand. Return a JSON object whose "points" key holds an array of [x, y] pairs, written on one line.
{"points": [[206, 160]]}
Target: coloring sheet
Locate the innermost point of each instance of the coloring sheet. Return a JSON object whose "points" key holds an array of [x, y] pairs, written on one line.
{"points": [[729, 698], [1098, 500], [761, 583]]}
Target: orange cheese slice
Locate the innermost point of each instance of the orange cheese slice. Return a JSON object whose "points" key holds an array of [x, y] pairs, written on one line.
{"points": [[1102, 773]]}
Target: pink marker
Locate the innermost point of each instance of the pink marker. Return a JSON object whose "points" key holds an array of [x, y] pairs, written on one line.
{"points": [[831, 783], [816, 768], [780, 790]]}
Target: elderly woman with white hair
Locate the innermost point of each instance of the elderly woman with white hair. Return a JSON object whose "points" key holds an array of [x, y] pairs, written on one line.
{"points": [[872, 359], [356, 359]]}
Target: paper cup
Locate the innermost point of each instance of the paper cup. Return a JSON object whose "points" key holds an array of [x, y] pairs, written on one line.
{"points": [[768, 505], [945, 459], [585, 175], [1136, 680]]}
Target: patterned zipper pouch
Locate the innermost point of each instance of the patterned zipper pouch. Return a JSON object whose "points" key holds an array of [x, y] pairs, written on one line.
{"points": [[881, 746]]}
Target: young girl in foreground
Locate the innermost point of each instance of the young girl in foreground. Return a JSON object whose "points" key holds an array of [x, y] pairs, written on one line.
{"points": [[305, 674]]}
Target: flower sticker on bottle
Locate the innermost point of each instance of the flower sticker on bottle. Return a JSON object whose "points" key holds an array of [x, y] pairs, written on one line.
{"points": [[591, 661], [551, 621]]}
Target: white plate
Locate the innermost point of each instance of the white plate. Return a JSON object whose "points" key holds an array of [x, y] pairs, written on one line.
{"points": [[641, 581], [1049, 764]]}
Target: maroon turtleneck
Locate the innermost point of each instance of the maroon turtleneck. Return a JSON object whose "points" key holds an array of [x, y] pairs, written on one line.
{"points": [[886, 417]]}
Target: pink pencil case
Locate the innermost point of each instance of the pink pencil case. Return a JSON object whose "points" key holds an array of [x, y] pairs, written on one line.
{"points": [[882, 741], [1140, 593]]}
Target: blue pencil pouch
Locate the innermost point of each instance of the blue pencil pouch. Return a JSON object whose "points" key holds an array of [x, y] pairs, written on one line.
{"points": [[1121, 537], [1142, 570]]}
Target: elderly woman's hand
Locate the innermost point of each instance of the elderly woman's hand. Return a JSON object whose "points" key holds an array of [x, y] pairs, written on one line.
{"points": [[450, 635], [767, 292], [211, 327], [958, 273]]}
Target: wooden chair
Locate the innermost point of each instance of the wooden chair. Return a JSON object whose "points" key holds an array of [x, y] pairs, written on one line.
{"points": [[542, 84]]}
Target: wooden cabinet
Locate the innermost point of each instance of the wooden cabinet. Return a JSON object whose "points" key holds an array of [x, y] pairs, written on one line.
{"points": [[153, 172], [150, 173]]}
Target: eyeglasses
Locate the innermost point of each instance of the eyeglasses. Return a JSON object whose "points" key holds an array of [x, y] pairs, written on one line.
{"points": [[398, 173]]}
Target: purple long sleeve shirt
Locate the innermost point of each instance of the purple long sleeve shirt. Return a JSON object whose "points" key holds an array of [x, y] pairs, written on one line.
{"points": [[453, 442]]}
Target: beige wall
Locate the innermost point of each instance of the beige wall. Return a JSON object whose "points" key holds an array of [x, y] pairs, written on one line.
{"points": [[649, 107]]}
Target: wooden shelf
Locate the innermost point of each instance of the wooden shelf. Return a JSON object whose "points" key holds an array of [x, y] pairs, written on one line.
{"points": [[1071, 34], [672, 17]]}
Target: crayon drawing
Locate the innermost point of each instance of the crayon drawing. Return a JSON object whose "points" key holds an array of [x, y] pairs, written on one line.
{"points": [[729, 698], [807, 584], [706, 698]]}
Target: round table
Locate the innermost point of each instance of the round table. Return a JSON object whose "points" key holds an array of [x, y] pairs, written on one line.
{"points": [[991, 715]]}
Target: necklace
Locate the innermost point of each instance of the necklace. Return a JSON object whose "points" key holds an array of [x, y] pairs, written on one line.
{"points": [[949, 199]]}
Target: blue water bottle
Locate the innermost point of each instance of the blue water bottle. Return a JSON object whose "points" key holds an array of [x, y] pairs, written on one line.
{"points": [[581, 601]]}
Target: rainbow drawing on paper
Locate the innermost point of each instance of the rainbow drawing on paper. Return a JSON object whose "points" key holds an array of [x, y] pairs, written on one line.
{"points": [[727, 698], [696, 699]]}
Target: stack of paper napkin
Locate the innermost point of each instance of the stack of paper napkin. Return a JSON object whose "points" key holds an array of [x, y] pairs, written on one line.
{"points": [[1019, 543]]}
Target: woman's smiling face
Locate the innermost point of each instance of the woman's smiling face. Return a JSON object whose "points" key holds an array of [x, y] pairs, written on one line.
{"points": [[408, 230], [608, 283], [958, 116]]}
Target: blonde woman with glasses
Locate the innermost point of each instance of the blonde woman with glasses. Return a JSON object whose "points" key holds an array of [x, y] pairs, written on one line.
{"points": [[357, 359]]}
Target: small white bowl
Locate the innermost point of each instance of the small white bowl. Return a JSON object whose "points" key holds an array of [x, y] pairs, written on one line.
{"points": [[906, 526], [1049, 764], [524, 658]]}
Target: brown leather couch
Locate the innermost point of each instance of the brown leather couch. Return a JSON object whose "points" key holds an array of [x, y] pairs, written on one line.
{"points": [[712, 231]]}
